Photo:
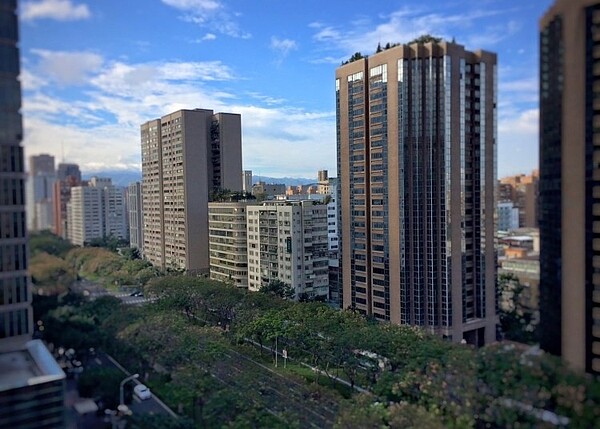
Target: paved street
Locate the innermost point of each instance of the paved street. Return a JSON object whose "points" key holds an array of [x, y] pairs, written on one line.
{"points": [[92, 421], [93, 290]]}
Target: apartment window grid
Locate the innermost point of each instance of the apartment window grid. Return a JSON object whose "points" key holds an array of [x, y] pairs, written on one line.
{"points": [[379, 205], [480, 196], [592, 138], [356, 120]]}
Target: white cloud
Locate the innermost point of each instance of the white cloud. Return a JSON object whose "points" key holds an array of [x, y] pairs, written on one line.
{"points": [[287, 142], [67, 68], [193, 5], [120, 96], [211, 14], [30, 81], [405, 24], [60, 10], [209, 36], [518, 143], [282, 47]]}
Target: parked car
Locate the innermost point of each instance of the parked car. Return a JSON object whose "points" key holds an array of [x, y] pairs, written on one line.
{"points": [[142, 392]]}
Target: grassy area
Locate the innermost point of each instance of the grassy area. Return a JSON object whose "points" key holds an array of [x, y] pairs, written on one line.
{"points": [[297, 370]]}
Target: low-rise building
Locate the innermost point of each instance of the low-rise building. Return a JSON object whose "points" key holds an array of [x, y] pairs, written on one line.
{"points": [[268, 190]]}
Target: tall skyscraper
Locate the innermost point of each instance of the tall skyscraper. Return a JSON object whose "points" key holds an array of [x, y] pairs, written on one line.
{"points": [[416, 135], [39, 195], [31, 382], [569, 195], [186, 156]]}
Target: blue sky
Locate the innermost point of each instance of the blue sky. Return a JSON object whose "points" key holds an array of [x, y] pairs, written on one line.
{"points": [[93, 71]]}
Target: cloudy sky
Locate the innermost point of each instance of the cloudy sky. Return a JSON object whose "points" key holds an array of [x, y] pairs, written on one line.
{"points": [[93, 71]]}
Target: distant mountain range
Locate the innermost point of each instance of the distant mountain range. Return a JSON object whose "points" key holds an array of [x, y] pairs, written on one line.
{"points": [[289, 181], [125, 177]]}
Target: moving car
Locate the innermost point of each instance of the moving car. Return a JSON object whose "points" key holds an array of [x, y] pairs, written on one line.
{"points": [[142, 392]]}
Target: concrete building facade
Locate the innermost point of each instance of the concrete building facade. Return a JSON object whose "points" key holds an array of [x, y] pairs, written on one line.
{"points": [[31, 382], [508, 216], [569, 195], [416, 136], [186, 155], [268, 190], [522, 191], [247, 181], [40, 189], [95, 211], [228, 245], [134, 208], [68, 176], [85, 215], [287, 241]]}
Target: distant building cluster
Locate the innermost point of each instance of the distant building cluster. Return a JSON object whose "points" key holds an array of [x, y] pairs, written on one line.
{"points": [[517, 201], [78, 210]]}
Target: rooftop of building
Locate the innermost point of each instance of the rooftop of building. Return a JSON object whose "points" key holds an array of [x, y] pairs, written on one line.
{"points": [[31, 365]]}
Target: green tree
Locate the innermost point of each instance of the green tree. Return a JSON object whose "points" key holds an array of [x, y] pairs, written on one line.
{"points": [[425, 38], [518, 321], [102, 383], [158, 421], [278, 288], [47, 242]]}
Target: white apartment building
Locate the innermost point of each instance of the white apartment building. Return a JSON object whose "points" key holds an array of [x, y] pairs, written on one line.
{"points": [[332, 215], [96, 211], [116, 222], [227, 243], [287, 240], [85, 214]]}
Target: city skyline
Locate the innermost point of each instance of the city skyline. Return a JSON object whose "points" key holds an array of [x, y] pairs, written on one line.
{"points": [[85, 94]]}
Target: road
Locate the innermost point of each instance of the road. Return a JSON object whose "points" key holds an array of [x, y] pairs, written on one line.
{"points": [[150, 406], [93, 421], [93, 290]]}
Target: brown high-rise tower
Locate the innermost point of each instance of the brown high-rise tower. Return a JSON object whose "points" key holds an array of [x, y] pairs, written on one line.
{"points": [[186, 155], [569, 187], [416, 133]]}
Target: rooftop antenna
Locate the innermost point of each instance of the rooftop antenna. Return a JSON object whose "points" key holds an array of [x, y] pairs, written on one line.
{"points": [[62, 151]]}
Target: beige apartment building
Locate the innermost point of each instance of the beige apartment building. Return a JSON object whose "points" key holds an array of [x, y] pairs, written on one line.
{"points": [[416, 128], [186, 156], [569, 194], [227, 242], [287, 241]]}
